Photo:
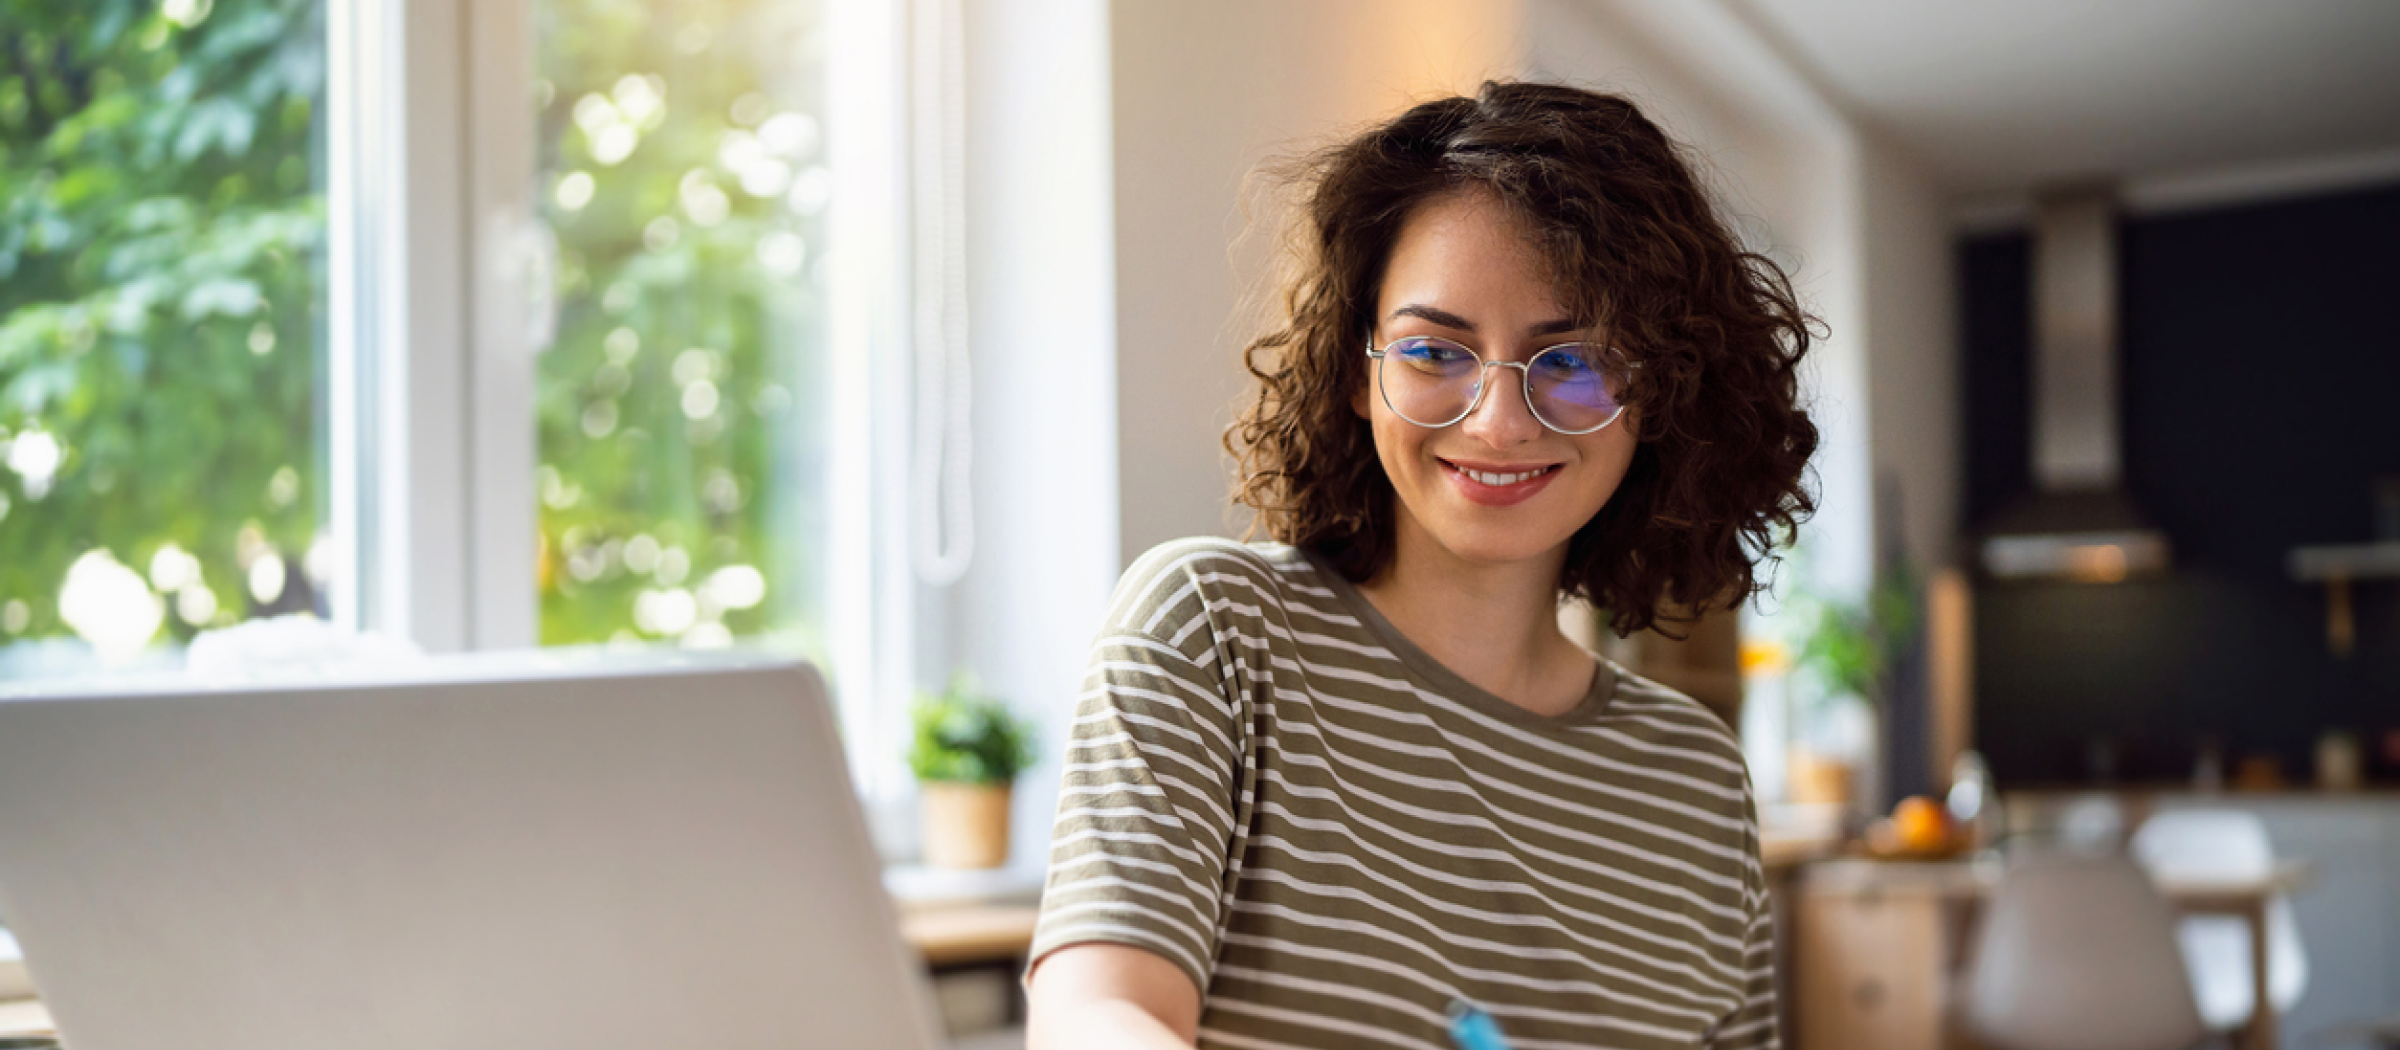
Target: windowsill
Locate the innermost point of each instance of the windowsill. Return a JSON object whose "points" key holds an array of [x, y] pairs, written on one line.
{"points": [[917, 888]]}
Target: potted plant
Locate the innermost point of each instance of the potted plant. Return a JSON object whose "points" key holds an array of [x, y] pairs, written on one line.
{"points": [[966, 751], [1846, 654]]}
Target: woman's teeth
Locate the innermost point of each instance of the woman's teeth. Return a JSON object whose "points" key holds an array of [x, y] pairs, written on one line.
{"points": [[1502, 479]]}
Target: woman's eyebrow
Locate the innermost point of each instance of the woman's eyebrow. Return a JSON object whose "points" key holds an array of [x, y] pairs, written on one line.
{"points": [[1436, 315], [1446, 319]]}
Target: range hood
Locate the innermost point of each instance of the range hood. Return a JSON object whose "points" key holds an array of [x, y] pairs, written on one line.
{"points": [[2078, 522]]}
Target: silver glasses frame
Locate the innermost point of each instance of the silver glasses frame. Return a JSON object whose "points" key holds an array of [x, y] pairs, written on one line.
{"points": [[1484, 369]]}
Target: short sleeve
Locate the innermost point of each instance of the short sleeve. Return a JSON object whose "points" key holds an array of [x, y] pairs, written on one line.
{"points": [[1754, 1022], [1146, 808]]}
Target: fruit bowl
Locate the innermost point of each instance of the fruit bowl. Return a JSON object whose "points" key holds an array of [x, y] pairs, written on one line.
{"points": [[1881, 844], [1918, 829]]}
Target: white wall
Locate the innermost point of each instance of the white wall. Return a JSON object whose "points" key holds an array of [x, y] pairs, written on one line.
{"points": [[1203, 93], [1042, 315], [1912, 348]]}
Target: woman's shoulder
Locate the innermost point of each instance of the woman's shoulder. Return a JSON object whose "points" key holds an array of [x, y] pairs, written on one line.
{"points": [[1176, 581], [1674, 726]]}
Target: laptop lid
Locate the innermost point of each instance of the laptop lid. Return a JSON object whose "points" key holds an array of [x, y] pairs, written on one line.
{"points": [[506, 853]]}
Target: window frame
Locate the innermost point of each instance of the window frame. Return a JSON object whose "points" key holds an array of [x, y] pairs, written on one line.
{"points": [[419, 428]]}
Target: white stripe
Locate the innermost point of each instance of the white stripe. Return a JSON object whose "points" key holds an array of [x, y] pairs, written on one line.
{"points": [[1397, 891], [1331, 1024], [1311, 669], [1211, 1036], [1491, 783], [1146, 749], [1207, 694], [1514, 819], [1083, 933], [1118, 861], [1503, 729], [1216, 819], [1150, 626], [1096, 745], [1725, 941], [1099, 686], [1114, 713], [1444, 960], [1446, 990], [1201, 910], [1067, 818], [1754, 1024], [1313, 986]]}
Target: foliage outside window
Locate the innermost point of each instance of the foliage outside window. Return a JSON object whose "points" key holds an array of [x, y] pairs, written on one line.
{"points": [[681, 434], [161, 314]]}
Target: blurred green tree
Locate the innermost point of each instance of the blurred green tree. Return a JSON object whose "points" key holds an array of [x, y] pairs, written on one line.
{"points": [[161, 297], [681, 405]]}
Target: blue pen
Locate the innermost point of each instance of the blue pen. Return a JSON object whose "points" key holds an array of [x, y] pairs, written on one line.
{"points": [[1473, 1029]]}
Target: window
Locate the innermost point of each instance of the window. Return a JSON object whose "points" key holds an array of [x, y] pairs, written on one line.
{"points": [[162, 324], [306, 308], [588, 331]]}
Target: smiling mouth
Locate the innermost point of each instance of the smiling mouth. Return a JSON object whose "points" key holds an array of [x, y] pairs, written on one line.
{"points": [[1499, 478]]}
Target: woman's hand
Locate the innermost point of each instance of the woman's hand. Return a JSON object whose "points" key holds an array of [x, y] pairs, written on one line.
{"points": [[1107, 996]]}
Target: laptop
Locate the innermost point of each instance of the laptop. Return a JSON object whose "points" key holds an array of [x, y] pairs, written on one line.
{"points": [[517, 852]]}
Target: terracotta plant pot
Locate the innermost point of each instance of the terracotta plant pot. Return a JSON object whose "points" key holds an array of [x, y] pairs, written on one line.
{"points": [[965, 825], [1818, 780]]}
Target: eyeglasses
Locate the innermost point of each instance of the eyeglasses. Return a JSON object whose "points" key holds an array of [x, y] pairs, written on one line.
{"points": [[1434, 382]]}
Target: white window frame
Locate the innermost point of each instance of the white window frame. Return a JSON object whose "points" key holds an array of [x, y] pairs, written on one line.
{"points": [[432, 412], [439, 278]]}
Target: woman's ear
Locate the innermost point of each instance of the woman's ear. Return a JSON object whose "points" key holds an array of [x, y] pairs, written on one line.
{"points": [[1359, 402]]}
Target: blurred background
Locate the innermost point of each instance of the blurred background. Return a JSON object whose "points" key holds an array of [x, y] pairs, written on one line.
{"points": [[888, 333]]}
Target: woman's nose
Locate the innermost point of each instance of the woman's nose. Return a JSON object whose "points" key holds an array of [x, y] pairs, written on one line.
{"points": [[1501, 419]]}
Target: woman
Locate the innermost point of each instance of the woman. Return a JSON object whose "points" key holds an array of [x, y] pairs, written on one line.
{"points": [[1328, 790]]}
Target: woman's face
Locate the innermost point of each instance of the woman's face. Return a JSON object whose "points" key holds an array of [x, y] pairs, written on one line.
{"points": [[1463, 272]]}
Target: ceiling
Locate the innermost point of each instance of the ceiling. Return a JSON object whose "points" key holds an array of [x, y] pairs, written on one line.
{"points": [[1998, 97]]}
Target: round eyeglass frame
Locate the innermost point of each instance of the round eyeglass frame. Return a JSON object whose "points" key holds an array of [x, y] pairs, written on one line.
{"points": [[1524, 384]]}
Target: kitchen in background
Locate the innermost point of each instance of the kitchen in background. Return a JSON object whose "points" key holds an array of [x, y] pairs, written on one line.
{"points": [[2259, 366]]}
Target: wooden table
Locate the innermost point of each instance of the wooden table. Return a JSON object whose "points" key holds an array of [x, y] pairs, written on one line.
{"points": [[1953, 893], [968, 935], [971, 936]]}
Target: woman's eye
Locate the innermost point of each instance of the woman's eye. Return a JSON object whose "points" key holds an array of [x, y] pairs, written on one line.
{"points": [[1567, 363], [1430, 352]]}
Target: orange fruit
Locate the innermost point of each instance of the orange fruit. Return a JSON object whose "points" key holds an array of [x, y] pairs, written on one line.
{"points": [[1921, 825]]}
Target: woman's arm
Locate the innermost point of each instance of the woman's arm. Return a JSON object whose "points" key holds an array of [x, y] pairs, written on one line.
{"points": [[1107, 996]]}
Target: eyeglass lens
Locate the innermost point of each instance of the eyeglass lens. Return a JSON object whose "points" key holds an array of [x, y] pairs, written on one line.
{"points": [[1432, 382]]}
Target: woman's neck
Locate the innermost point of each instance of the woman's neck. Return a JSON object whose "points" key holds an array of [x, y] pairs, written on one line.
{"points": [[1495, 624]]}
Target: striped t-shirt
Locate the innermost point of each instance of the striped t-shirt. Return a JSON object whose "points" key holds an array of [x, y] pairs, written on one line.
{"points": [[1337, 837]]}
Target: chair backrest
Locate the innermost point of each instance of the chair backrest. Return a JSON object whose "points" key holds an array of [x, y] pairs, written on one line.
{"points": [[2205, 844], [2077, 952], [2092, 824]]}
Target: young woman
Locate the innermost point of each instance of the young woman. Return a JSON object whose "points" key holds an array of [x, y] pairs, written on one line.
{"points": [[1327, 790]]}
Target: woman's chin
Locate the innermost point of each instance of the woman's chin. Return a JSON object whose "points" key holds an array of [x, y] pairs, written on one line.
{"points": [[1495, 546]]}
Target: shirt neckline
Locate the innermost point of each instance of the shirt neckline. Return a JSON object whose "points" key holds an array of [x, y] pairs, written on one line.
{"points": [[1450, 683]]}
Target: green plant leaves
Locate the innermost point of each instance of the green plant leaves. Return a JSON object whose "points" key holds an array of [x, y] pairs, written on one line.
{"points": [[961, 736]]}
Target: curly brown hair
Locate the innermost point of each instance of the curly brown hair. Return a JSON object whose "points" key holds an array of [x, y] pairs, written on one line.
{"points": [[1635, 250]]}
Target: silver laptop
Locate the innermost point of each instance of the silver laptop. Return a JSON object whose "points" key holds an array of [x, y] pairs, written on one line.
{"points": [[521, 852]]}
